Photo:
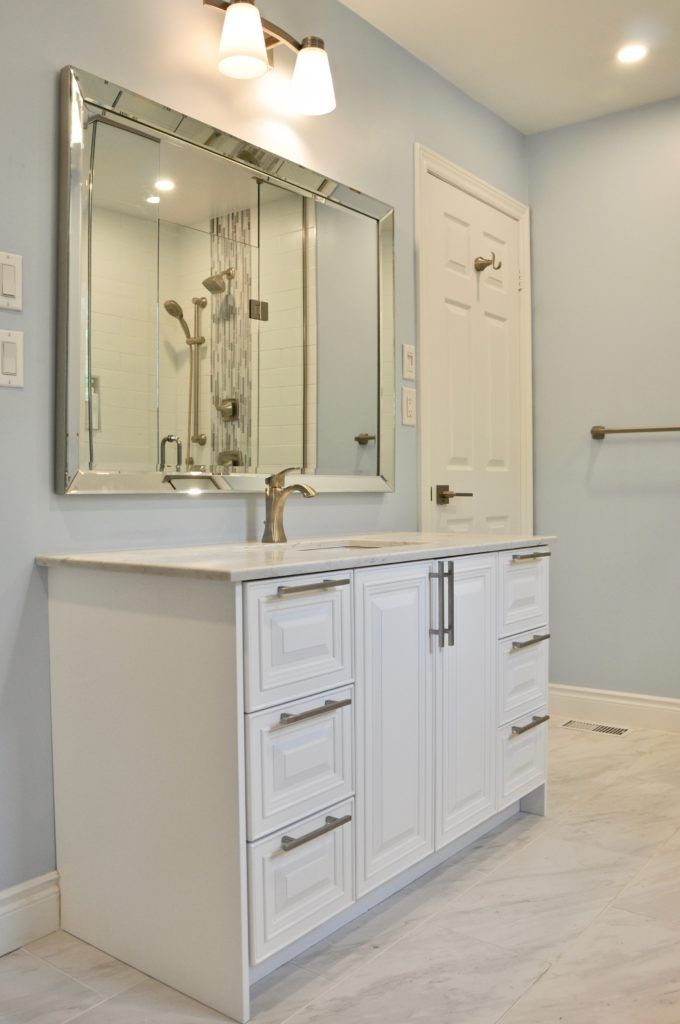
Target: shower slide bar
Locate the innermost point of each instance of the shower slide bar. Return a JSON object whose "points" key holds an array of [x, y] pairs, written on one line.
{"points": [[599, 433]]}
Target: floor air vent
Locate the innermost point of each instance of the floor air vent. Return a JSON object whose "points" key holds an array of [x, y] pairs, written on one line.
{"points": [[610, 730]]}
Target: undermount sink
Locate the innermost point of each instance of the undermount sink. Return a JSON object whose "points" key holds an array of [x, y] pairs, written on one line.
{"points": [[352, 545]]}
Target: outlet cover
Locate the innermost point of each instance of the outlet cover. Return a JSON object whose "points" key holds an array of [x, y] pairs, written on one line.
{"points": [[408, 407]]}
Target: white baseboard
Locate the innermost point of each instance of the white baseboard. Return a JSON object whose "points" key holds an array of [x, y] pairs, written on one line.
{"points": [[28, 911], [611, 707]]}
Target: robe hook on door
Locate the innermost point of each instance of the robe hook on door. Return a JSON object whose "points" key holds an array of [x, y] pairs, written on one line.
{"points": [[481, 263]]}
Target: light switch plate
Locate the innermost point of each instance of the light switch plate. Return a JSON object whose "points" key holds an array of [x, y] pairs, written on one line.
{"points": [[11, 359], [408, 362], [10, 281], [408, 407]]}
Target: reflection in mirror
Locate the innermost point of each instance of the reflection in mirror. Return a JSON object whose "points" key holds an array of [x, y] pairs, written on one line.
{"points": [[228, 323]]}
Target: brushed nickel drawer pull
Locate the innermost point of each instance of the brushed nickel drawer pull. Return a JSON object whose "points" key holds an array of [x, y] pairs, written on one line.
{"points": [[538, 638], [291, 843], [537, 720], [531, 557], [452, 612], [308, 587], [326, 708]]}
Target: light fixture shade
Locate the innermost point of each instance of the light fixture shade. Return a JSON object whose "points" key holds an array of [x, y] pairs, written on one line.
{"points": [[312, 87], [243, 53]]}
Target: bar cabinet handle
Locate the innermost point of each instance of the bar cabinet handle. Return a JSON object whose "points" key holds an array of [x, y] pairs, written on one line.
{"points": [[291, 843], [441, 575], [531, 557], [306, 588], [519, 645], [326, 708], [537, 720], [452, 616]]}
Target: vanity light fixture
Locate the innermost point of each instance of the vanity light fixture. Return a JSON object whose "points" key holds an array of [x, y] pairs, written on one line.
{"points": [[632, 53], [154, 200], [164, 185], [245, 45]]}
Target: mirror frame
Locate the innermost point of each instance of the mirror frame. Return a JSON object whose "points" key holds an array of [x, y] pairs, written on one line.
{"points": [[83, 95]]}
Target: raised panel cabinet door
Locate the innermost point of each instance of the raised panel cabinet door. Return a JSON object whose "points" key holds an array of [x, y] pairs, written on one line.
{"points": [[466, 703], [394, 721]]}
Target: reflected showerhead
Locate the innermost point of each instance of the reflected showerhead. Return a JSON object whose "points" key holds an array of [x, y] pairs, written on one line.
{"points": [[174, 309], [217, 283]]}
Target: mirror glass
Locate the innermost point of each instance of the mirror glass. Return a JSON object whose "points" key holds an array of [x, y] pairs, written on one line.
{"points": [[216, 318]]}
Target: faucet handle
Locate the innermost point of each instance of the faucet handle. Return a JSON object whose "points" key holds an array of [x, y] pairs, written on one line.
{"points": [[278, 479]]}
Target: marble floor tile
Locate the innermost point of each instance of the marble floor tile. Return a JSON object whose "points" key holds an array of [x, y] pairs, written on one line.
{"points": [[623, 969], [34, 992], [433, 975], [543, 896], [86, 964], [655, 890], [284, 992], [150, 1003], [402, 913]]}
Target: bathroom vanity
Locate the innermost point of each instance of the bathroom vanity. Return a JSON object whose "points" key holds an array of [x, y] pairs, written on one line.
{"points": [[254, 744]]}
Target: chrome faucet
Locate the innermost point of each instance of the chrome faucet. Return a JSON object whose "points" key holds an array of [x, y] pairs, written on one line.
{"points": [[276, 496]]}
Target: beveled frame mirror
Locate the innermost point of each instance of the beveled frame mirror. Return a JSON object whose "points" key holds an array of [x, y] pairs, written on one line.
{"points": [[112, 136]]}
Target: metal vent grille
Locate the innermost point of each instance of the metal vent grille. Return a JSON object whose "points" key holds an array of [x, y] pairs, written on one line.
{"points": [[610, 730]]}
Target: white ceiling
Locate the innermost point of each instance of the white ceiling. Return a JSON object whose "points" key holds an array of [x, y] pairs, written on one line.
{"points": [[540, 63]]}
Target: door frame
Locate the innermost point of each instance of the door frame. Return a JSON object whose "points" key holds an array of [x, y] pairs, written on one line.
{"points": [[429, 162]]}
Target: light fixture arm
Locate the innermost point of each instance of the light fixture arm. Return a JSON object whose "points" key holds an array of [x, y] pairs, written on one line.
{"points": [[274, 36]]}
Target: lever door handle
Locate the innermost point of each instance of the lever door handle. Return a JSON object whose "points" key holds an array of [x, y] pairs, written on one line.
{"points": [[445, 494]]}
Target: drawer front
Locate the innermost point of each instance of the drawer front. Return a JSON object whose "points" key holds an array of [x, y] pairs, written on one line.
{"points": [[523, 674], [522, 757], [298, 637], [294, 890], [523, 590], [300, 759]]}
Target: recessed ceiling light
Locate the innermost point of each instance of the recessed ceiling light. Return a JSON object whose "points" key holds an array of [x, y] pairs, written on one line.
{"points": [[164, 185], [632, 53], [153, 199]]}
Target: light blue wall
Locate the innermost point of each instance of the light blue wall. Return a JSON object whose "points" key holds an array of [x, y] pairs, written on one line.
{"points": [[605, 197], [166, 49]]}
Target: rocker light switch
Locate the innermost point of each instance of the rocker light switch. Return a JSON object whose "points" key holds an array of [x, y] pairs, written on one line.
{"points": [[10, 281], [11, 359]]}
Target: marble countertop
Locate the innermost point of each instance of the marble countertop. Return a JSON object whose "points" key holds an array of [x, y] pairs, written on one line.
{"points": [[237, 562]]}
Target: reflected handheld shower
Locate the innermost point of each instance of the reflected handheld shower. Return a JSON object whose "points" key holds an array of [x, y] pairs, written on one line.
{"points": [[174, 309]]}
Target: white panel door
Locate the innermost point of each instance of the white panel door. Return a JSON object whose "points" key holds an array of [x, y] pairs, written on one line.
{"points": [[394, 721], [471, 363], [465, 703]]}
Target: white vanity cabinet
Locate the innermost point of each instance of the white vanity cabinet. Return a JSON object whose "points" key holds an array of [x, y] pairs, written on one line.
{"points": [[248, 757]]}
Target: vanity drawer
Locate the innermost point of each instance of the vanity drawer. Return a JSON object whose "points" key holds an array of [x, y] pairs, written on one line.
{"points": [[300, 877], [523, 590], [523, 674], [522, 756], [298, 637], [300, 758]]}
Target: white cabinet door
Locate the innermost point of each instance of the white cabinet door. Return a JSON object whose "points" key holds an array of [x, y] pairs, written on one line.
{"points": [[394, 709], [465, 703]]}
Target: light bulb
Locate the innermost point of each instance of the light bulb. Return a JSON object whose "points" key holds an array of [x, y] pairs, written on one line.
{"points": [[154, 200], [312, 86], [243, 53], [632, 53], [164, 185]]}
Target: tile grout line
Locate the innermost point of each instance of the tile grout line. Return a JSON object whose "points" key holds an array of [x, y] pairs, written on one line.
{"points": [[65, 974]]}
